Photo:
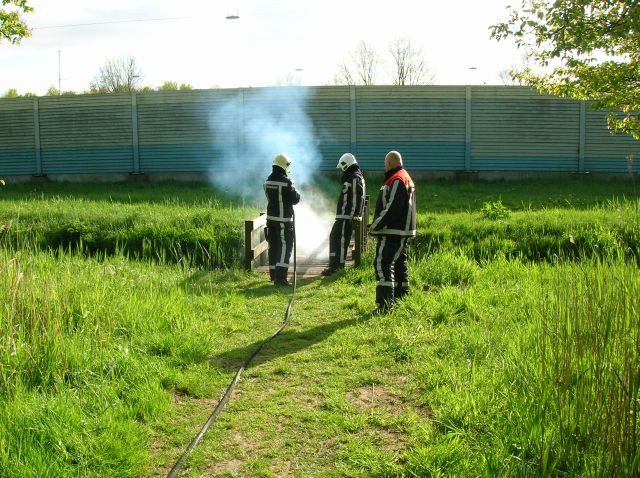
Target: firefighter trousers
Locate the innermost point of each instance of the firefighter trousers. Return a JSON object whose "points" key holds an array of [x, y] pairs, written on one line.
{"points": [[391, 268], [280, 239], [339, 240]]}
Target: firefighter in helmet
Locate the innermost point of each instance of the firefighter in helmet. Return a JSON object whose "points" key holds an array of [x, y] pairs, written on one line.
{"points": [[350, 205], [281, 197]]}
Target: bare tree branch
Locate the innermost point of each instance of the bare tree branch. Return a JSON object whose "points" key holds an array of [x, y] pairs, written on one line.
{"points": [[361, 70], [120, 75], [410, 66]]}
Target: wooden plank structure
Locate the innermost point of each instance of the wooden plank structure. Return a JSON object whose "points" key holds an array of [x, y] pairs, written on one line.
{"points": [[255, 242], [256, 247]]}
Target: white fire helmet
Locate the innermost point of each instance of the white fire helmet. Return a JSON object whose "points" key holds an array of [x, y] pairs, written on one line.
{"points": [[283, 161], [346, 160]]}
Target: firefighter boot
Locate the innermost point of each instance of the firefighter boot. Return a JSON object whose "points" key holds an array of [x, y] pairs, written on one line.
{"points": [[401, 293], [384, 298]]}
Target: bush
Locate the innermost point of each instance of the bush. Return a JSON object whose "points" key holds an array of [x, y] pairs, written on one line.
{"points": [[495, 210]]}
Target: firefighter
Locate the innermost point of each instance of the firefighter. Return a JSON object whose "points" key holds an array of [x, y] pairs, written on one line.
{"points": [[393, 224], [281, 196], [349, 208]]}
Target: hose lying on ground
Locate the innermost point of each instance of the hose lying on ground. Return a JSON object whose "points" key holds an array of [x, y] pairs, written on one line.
{"points": [[225, 398]]}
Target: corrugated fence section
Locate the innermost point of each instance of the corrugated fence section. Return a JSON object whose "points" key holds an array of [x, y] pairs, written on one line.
{"points": [[436, 128], [427, 125], [607, 153], [17, 137], [519, 130], [86, 134]]}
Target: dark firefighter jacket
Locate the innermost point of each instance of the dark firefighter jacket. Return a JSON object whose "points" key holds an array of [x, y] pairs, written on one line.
{"points": [[281, 196], [396, 205], [351, 199]]}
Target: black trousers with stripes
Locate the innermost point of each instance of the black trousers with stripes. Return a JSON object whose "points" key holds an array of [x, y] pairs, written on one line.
{"points": [[392, 271], [339, 240], [280, 239]]}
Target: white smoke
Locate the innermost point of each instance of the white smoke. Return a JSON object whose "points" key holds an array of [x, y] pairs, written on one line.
{"points": [[249, 131]]}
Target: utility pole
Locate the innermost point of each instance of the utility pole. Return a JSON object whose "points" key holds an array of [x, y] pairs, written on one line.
{"points": [[59, 79]]}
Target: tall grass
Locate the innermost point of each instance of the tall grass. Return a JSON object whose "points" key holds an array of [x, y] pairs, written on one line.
{"points": [[89, 350], [208, 234], [580, 373], [610, 229], [64, 376]]}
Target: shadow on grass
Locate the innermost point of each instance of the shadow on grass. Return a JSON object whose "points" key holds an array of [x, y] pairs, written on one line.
{"points": [[203, 282], [287, 343]]}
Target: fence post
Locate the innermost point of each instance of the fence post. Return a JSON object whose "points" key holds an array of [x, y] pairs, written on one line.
{"points": [[467, 129], [36, 130], [255, 244], [248, 244], [583, 138], [352, 115], [134, 127]]}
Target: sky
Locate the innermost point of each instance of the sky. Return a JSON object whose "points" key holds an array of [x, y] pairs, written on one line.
{"points": [[192, 42]]}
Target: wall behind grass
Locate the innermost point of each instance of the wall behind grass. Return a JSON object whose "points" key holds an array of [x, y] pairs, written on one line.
{"points": [[437, 128]]}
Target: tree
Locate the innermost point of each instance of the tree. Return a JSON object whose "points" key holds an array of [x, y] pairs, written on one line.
{"points": [[120, 75], [289, 79], [13, 93], [343, 77], [410, 68], [12, 27], [52, 91], [362, 69], [590, 48], [173, 86], [168, 86]]}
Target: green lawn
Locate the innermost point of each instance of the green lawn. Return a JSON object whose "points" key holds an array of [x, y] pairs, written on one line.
{"points": [[515, 355]]}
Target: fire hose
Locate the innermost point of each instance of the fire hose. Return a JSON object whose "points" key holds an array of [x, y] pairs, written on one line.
{"points": [[225, 398]]}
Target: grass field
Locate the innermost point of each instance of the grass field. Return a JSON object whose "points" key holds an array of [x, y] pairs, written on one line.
{"points": [[517, 353]]}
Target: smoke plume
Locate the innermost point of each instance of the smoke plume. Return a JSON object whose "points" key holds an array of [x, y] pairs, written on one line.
{"points": [[249, 131]]}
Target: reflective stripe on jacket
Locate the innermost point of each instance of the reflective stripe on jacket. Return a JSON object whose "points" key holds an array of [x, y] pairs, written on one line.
{"points": [[351, 199], [281, 196], [396, 205]]}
